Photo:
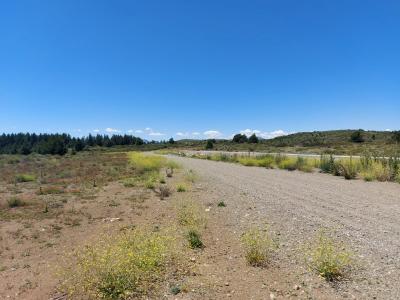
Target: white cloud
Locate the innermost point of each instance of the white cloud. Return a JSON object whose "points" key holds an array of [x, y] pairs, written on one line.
{"points": [[195, 133], [264, 134], [388, 129], [249, 132], [153, 133], [96, 130], [130, 131], [149, 131], [112, 130], [212, 134], [182, 134]]}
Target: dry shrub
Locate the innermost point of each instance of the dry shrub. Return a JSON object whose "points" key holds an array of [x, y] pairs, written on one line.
{"points": [[328, 258], [258, 245], [124, 267]]}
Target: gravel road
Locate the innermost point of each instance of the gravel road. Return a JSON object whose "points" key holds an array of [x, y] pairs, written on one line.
{"points": [[364, 215]]}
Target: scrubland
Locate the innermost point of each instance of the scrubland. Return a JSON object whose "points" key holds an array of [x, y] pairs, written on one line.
{"points": [[131, 225]]}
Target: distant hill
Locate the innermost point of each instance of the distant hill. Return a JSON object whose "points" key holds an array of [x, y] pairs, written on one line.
{"points": [[330, 138]]}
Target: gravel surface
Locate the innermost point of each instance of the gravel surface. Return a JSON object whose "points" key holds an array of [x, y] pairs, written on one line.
{"points": [[364, 215]]}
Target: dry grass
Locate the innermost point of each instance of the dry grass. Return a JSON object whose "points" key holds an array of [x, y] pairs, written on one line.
{"points": [[328, 258], [128, 266], [258, 245]]}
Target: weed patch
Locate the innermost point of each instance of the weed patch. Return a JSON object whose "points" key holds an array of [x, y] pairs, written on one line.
{"points": [[128, 266], [328, 258], [258, 245]]}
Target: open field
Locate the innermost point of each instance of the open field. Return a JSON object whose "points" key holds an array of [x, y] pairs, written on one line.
{"points": [[182, 228]]}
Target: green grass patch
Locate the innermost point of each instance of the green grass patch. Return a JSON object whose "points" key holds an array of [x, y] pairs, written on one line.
{"points": [[194, 239], [25, 177]]}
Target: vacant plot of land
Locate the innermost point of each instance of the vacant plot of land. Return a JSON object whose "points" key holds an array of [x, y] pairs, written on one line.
{"points": [[363, 215]]}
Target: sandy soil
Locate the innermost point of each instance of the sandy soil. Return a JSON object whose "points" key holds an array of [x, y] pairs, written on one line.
{"points": [[364, 215]]}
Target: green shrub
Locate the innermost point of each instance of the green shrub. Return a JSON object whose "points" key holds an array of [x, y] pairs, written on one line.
{"points": [[221, 204], [24, 177], [150, 184], [15, 202], [376, 171], [181, 188], [194, 239], [327, 164], [328, 258], [289, 163], [258, 246], [303, 164], [348, 168]]}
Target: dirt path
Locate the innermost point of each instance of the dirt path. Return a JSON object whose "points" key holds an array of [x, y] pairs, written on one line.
{"points": [[296, 205]]}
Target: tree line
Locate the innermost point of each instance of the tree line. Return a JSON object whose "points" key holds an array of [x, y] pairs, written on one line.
{"points": [[26, 143]]}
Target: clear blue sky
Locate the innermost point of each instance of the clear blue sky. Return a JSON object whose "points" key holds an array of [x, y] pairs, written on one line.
{"points": [[198, 66]]}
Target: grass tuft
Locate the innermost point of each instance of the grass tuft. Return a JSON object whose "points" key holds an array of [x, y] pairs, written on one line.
{"points": [[24, 177], [181, 188], [15, 202], [258, 245], [194, 239], [328, 258]]}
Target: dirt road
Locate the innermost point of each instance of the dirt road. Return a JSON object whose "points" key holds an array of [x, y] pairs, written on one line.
{"points": [[296, 205]]}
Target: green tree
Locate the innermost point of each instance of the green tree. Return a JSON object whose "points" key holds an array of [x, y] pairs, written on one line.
{"points": [[240, 138], [253, 139], [357, 136], [209, 145]]}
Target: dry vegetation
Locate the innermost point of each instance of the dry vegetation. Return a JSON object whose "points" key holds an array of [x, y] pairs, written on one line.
{"points": [[366, 167], [86, 210]]}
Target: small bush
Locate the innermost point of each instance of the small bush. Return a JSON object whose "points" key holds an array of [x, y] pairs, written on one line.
{"points": [[221, 204], [348, 168], [376, 171], [164, 191], [149, 184], [326, 164], [258, 246], [162, 180], [303, 164], [25, 178], [328, 258], [15, 202], [181, 188], [194, 239], [289, 163]]}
